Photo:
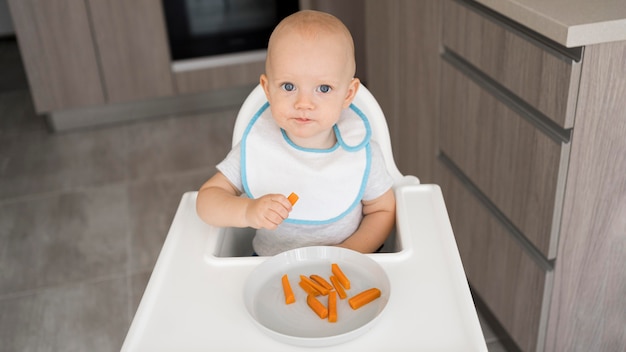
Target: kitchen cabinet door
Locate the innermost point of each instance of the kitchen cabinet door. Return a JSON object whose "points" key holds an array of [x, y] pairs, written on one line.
{"points": [[131, 40], [58, 53]]}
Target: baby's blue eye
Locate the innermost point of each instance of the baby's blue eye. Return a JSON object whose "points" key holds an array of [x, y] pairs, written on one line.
{"points": [[324, 88], [288, 87]]}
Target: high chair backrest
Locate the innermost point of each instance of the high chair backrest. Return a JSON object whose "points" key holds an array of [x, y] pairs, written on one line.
{"points": [[364, 101]]}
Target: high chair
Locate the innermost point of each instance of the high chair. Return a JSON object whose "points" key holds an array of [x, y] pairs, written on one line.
{"points": [[194, 299]]}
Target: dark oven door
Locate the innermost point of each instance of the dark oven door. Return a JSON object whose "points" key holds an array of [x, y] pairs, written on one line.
{"points": [[199, 28]]}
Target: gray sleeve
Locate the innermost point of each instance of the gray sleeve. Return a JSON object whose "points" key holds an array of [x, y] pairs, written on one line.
{"points": [[231, 167], [379, 180]]}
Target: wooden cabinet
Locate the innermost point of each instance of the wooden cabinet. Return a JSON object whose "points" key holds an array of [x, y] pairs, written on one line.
{"points": [[131, 41], [527, 139], [81, 53], [521, 119], [58, 53], [518, 167]]}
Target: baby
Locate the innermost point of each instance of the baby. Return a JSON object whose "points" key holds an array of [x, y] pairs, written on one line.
{"points": [[310, 141]]}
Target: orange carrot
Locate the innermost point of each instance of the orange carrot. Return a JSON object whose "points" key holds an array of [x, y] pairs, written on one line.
{"points": [[310, 290], [320, 280], [340, 291], [364, 298], [293, 198], [343, 280], [332, 307], [289, 297], [321, 289], [317, 306]]}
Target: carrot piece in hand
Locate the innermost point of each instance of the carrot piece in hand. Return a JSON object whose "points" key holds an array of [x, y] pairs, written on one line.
{"points": [[321, 289], [289, 296], [340, 291], [317, 306], [320, 280], [293, 198], [364, 298], [332, 307], [343, 280]]}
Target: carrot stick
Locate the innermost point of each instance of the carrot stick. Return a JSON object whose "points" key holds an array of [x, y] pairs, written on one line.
{"points": [[332, 307], [364, 298], [310, 290], [321, 289], [293, 198], [343, 280], [340, 291], [320, 280], [289, 296], [317, 306]]}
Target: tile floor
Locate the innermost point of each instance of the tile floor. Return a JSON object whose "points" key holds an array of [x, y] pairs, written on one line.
{"points": [[83, 215]]}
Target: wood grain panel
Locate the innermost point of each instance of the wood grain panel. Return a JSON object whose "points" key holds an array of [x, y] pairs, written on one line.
{"points": [[521, 170], [382, 52], [202, 80], [419, 80], [545, 81], [133, 48], [499, 271], [58, 53], [403, 74], [588, 310]]}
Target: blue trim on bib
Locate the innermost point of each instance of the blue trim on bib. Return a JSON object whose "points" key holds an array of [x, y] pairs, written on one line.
{"points": [[308, 150], [244, 173], [368, 132]]}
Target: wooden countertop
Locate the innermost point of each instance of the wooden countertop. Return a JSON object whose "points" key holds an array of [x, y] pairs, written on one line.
{"points": [[570, 23]]}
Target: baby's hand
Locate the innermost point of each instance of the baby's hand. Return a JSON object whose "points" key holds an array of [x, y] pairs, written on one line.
{"points": [[268, 211]]}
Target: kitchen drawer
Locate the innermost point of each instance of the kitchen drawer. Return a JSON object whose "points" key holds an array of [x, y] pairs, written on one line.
{"points": [[519, 168], [190, 78], [544, 78], [501, 272]]}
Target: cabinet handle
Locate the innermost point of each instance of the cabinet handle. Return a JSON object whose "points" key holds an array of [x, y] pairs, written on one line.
{"points": [[547, 44], [525, 110], [535, 254]]}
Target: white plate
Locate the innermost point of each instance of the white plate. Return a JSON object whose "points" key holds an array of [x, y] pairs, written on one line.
{"points": [[296, 323]]}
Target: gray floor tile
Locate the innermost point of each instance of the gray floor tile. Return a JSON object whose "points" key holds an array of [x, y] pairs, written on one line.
{"points": [[82, 317], [152, 206], [177, 144], [39, 162], [63, 237]]}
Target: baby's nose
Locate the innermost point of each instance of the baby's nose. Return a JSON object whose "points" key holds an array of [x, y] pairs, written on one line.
{"points": [[304, 101]]}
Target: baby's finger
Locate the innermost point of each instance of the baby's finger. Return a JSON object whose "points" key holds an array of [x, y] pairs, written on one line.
{"points": [[283, 205]]}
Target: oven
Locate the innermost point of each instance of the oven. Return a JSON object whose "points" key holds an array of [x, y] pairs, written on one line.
{"points": [[204, 28]]}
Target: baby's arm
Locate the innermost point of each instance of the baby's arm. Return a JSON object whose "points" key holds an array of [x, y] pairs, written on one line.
{"points": [[379, 217], [219, 204]]}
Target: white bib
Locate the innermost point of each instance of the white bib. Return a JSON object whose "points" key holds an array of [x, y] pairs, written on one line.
{"points": [[329, 182]]}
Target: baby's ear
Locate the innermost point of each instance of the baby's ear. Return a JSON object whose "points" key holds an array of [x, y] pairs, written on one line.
{"points": [[352, 89], [263, 81]]}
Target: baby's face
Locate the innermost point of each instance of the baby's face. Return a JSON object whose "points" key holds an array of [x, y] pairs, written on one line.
{"points": [[308, 83]]}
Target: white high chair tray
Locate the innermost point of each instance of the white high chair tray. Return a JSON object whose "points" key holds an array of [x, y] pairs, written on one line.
{"points": [[194, 300]]}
